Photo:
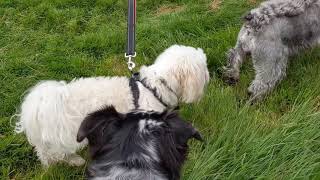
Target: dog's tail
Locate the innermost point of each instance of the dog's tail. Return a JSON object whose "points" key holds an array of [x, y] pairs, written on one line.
{"points": [[39, 104]]}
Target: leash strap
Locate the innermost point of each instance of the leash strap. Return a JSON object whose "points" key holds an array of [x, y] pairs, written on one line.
{"points": [[135, 92], [130, 52]]}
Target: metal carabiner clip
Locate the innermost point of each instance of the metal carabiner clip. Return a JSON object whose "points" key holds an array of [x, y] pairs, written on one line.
{"points": [[130, 62]]}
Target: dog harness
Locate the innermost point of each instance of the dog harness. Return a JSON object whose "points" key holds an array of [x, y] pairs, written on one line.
{"points": [[136, 93]]}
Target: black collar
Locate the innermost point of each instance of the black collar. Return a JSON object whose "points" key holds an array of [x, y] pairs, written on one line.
{"points": [[135, 90]]}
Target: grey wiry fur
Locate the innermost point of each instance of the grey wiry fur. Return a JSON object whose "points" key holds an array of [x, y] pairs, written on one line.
{"points": [[270, 10], [271, 33]]}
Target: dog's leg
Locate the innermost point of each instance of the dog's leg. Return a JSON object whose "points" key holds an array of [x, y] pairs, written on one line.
{"points": [[231, 72], [44, 157], [74, 160], [270, 63], [48, 157], [236, 56]]}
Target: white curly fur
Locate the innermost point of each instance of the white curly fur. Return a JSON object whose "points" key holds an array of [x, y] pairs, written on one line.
{"points": [[52, 111]]}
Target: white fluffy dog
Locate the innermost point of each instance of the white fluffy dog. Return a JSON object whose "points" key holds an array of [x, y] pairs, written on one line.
{"points": [[53, 110]]}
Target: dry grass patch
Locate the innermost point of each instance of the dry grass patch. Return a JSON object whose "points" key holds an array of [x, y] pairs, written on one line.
{"points": [[163, 10], [252, 1], [215, 5]]}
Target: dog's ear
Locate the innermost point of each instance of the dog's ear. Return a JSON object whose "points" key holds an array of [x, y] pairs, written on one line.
{"points": [[192, 132], [191, 78], [183, 130], [196, 134], [99, 119]]}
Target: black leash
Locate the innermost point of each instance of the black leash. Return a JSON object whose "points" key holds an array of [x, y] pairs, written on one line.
{"points": [[131, 54], [135, 91], [131, 44]]}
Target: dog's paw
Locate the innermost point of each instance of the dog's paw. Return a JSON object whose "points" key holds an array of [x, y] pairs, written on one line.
{"points": [[75, 160], [254, 99], [257, 91], [230, 76]]}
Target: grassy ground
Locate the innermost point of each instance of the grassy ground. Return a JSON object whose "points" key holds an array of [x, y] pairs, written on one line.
{"points": [[62, 39]]}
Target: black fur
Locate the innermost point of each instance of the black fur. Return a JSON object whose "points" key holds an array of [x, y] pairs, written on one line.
{"points": [[115, 140]]}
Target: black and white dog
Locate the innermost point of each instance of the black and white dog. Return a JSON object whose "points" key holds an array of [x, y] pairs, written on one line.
{"points": [[136, 145]]}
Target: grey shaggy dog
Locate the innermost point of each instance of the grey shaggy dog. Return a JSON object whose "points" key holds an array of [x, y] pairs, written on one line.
{"points": [[271, 34]]}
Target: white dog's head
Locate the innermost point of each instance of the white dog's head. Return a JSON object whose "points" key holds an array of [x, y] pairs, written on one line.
{"points": [[184, 69]]}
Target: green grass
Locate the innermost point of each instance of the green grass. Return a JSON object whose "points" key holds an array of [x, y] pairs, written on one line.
{"points": [[278, 138]]}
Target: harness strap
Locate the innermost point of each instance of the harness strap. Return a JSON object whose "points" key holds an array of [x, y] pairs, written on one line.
{"points": [[164, 82], [154, 92], [136, 93]]}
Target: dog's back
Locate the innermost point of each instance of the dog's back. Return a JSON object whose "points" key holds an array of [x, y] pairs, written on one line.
{"points": [[268, 11], [295, 24], [302, 31], [297, 32]]}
